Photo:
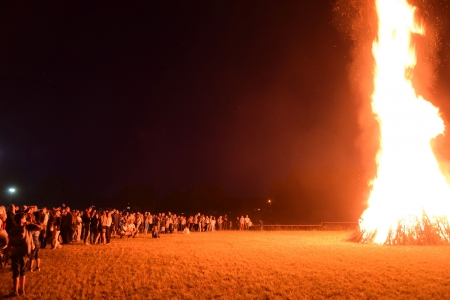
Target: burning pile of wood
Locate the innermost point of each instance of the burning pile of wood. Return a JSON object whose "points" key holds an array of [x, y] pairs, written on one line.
{"points": [[413, 230]]}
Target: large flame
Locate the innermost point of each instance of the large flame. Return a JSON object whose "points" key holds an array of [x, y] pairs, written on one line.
{"points": [[409, 189]]}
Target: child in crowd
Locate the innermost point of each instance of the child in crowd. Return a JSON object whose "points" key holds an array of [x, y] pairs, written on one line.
{"points": [[155, 233], [128, 229]]}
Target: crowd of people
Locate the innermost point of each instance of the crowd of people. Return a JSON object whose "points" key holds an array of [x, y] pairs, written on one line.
{"points": [[25, 230]]}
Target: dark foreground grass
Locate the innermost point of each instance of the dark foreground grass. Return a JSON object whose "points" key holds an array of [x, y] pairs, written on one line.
{"points": [[240, 265]]}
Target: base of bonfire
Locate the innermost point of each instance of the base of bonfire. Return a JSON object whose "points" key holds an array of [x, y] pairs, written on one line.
{"points": [[413, 230]]}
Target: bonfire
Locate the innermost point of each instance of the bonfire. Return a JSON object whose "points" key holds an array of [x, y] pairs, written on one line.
{"points": [[410, 198]]}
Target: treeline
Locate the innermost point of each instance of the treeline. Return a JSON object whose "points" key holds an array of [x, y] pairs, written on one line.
{"points": [[55, 190], [325, 194], [303, 197]]}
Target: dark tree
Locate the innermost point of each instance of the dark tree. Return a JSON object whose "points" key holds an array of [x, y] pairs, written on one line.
{"points": [[54, 191]]}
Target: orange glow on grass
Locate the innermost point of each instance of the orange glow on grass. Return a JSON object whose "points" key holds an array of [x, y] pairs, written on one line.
{"points": [[409, 185]]}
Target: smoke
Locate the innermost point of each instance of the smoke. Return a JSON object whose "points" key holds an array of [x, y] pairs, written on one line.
{"points": [[432, 72], [356, 20], [428, 46]]}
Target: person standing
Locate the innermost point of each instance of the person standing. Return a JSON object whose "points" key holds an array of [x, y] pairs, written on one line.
{"points": [[145, 222], [66, 226], [175, 221], [73, 226], [49, 228], [20, 241], [94, 226], [10, 223], [139, 220], [56, 229], [102, 227], [183, 221], [86, 222], [247, 222], [63, 228], [241, 223], [225, 222], [35, 261], [115, 222], [219, 222], [193, 222], [79, 225], [109, 222], [42, 217], [2, 217], [3, 233], [170, 223], [150, 221], [208, 223], [212, 224], [31, 218]]}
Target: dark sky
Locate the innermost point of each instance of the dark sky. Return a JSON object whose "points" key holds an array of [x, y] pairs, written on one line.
{"points": [[174, 93]]}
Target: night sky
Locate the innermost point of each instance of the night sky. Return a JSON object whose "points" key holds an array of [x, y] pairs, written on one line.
{"points": [[171, 94]]}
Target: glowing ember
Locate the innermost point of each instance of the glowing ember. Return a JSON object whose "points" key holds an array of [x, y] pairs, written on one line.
{"points": [[410, 198]]}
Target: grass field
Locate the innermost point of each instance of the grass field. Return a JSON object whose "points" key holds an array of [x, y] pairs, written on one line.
{"points": [[239, 265]]}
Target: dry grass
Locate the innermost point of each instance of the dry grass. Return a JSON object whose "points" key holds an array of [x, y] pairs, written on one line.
{"points": [[240, 265]]}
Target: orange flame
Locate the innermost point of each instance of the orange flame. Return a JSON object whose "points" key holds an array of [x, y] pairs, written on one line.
{"points": [[409, 183]]}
